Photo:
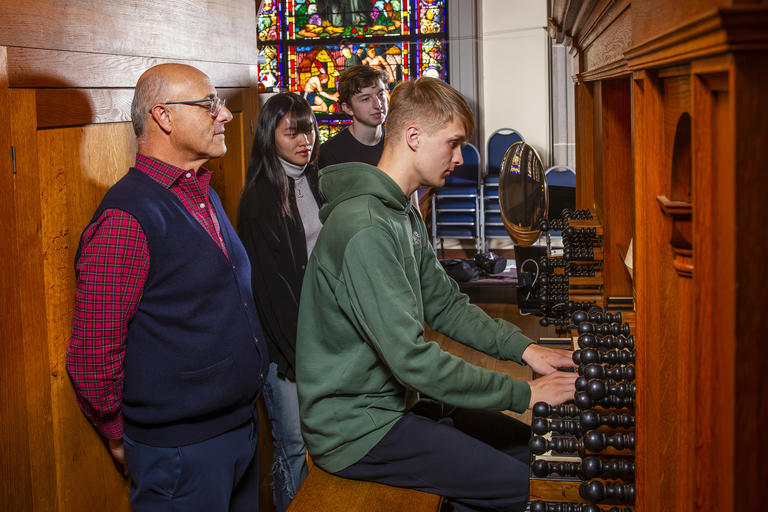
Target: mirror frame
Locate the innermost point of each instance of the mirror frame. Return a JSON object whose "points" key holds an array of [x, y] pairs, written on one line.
{"points": [[527, 235]]}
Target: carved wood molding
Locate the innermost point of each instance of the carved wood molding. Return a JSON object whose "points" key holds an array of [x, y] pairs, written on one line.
{"points": [[680, 214], [604, 26], [675, 209], [724, 30], [597, 33]]}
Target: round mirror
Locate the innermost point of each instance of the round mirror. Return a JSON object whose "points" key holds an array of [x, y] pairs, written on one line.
{"points": [[523, 195]]}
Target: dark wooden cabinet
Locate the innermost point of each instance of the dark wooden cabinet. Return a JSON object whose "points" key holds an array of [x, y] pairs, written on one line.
{"points": [[671, 129]]}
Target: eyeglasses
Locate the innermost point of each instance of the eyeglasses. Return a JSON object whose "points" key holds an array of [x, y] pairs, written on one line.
{"points": [[216, 104]]}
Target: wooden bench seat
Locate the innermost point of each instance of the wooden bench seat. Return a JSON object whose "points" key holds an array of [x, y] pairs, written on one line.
{"points": [[324, 492]]}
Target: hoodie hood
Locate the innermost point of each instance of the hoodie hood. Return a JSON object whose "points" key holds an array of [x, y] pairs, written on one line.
{"points": [[341, 182]]}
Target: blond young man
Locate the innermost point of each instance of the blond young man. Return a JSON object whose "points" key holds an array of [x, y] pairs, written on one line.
{"points": [[370, 285]]}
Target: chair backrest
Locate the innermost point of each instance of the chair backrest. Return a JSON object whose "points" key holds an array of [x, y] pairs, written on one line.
{"points": [[561, 182], [561, 176], [498, 143], [467, 173]]}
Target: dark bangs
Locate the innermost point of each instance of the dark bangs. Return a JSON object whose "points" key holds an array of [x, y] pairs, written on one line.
{"points": [[301, 119]]}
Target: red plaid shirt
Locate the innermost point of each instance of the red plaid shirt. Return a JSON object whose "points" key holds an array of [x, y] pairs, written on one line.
{"points": [[111, 273]]}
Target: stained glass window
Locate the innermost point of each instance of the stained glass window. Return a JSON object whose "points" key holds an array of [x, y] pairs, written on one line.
{"points": [[307, 44]]}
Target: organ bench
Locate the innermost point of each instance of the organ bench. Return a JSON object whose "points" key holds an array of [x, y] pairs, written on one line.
{"points": [[327, 492]]}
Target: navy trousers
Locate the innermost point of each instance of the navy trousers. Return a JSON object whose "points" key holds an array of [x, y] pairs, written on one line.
{"points": [[477, 460], [217, 475]]}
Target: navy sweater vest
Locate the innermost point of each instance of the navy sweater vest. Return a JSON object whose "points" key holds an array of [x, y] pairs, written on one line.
{"points": [[195, 360]]}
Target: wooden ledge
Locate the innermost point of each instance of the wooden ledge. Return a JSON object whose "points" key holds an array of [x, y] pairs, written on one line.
{"points": [[329, 493]]}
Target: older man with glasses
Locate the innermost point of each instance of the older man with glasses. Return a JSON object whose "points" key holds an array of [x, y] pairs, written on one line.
{"points": [[167, 354]]}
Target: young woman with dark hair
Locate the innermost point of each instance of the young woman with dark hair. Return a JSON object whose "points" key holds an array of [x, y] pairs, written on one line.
{"points": [[278, 224]]}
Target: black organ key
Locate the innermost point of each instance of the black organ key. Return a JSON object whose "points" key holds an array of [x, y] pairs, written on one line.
{"points": [[596, 441], [599, 388], [591, 419], [588, 468], [594, 356], [543, 468], [597, 371], [607, 341], [552, 506], [594, 467], [603, 328], [593, 441], [595, 491], [542, 426], [543, 409], [587, 420]]}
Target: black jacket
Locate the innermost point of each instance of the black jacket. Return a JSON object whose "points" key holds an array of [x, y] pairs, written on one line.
{"points": [[277, 248]]}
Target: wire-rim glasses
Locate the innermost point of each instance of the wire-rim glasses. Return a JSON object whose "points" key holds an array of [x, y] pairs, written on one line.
{"points": [[216, 104]]}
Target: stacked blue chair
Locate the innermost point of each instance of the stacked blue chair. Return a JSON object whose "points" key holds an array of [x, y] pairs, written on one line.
{"points": [[490, 215], [561, 182], [456, 205]]}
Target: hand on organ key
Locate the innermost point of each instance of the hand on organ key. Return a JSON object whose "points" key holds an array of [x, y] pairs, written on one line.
{"points": [[554, 389]]}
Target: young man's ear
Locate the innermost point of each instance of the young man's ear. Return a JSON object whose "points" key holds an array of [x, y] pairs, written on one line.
{"points": [[413, 137], [347, 109]]}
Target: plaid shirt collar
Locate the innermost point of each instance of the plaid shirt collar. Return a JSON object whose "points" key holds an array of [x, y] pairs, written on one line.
{"points": [[167, 174]]}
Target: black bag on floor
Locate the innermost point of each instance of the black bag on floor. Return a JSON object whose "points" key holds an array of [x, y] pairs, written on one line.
{"points": [[460, 270]]}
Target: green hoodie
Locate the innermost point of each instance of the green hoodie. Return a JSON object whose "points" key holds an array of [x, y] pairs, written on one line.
{"points": [[371, 282]]}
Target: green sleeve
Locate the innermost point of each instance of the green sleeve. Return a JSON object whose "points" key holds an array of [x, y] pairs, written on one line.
{"points": [[386, 309], [449, 312]]}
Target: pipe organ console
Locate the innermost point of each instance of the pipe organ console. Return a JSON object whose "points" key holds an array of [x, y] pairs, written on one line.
{"points": [[582, 453]]}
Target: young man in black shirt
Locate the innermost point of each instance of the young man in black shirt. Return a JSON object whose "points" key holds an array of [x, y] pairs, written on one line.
{"points": [[363, 95]]}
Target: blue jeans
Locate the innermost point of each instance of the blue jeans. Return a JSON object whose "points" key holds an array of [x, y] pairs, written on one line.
{"points": [[289, 451]]}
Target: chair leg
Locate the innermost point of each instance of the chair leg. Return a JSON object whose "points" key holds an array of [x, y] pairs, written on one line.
{"points": [[478, 226], [482, 218]]}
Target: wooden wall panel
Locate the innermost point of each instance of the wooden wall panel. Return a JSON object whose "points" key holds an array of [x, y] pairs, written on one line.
{"points": [[714, 357], [77, 166], [642, 137], [585, 146], [67, 72], [30, 283], [750, 161], [15, 493], [77, 106], [35, 67], [204, 30], [617, 176]]}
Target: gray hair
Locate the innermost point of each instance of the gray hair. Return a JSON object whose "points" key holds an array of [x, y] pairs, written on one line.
{"points": [[148, 93]]}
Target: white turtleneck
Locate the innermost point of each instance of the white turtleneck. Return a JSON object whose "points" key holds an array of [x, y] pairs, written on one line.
{"points": [[305, 202]]}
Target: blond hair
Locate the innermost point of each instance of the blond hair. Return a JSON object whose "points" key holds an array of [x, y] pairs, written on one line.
{"points": [[429, 102]]}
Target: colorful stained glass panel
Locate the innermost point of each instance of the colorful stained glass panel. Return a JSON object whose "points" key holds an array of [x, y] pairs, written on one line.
{"points": [[431, 16], [432, 58], [305, 45], [314, 19]]}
